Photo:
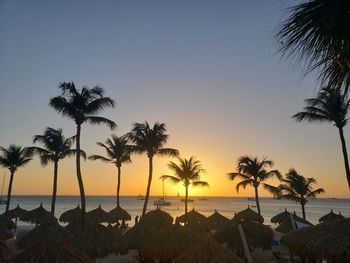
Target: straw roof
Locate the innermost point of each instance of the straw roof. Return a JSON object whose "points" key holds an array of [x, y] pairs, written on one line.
{"points": [[71, 215], [6, 222], [207, 250], [98, 215], [286, 226], [257, 235], [41, 233], [137, 237], [217, 220], [49, 252], [192, 217], [118, 213], [16, 212], [249, 215], [331, 216], [6, 227], [157, 219], [280, 217], [38, 216], [171, 241], [329, 240], [95, 240]]}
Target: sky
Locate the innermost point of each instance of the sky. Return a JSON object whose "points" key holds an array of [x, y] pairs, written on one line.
{"points": [[208, 69]]}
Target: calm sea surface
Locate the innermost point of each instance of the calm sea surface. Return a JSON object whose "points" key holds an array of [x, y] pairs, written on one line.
{"points": [[225, 205]]}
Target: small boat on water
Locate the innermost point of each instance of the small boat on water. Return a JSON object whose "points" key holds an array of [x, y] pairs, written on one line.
{"points": [[161, 202]]}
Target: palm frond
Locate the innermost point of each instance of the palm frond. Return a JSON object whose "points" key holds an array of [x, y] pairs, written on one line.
{"points": [[171, 178], [200, 183], [96, 120]]}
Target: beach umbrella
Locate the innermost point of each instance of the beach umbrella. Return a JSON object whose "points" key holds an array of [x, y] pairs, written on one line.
{"points": [[287, 224], [257, 235], [192, 217], [328, 240], [41, 233], [98, 215], [137, 237], [207, 250], [217, 220], [71, 215], [117, 214], [277, 219], [51, 251], [157, 219], [248, 215], [330, 216], [171, 241], [95, 240], [6, 228], [38, 216], [16, 212]]}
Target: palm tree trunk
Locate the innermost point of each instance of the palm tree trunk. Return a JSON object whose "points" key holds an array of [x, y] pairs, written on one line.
{"points": [[303, 210], [54, 190], [9, 191], [345, 154], [80, 179], [118, 185], [148, 185], [186, 199], [257, 200]]}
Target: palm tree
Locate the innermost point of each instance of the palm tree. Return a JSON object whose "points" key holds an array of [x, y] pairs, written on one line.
{"points": [[81, 106], [253, 172], [298, 188], [118, 151], [13, 158], [150, 141], [188, 171], [56, 147], [330, 105], [317, 32]]}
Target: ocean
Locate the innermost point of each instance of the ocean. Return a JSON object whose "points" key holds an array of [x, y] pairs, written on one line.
{"points": [[227, 206]]}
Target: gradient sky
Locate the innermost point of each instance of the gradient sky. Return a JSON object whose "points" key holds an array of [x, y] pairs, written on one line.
{"points": [[208, 69]]}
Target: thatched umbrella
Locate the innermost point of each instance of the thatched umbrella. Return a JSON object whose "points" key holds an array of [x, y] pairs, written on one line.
{"points": [[51, 251], [249, 215], [192, 217], [207, 250], [329, 241], [157, 219], [287, 224], [257, 235], [16, 212], [95, 240], [71, 215], [41, 233], [6, 228], [331, 216], [117, 214], [278, 219], [217, 220], [98, 215], [38, 216]]}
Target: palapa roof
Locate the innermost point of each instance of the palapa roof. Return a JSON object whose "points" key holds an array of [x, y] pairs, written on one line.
{"points": [[49, 252], [38, 216], [286, 225], [16, 212], [249, 215], [118, 213], [329, 240], [207, 250], [331, 216], [6, 227], [71, 215], [41, 233], [217, 219], [280, 217], [137, 237], [192, 217], [157, 219], [98, 215], [257, 235]]}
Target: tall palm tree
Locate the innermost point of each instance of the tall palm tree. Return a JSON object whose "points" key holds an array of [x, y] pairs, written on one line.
{"points": [[298, 188], [253, 172], [150, 140], [317, 32], [56, 147], [82, 106], [330, 105], [13, 158], [118, 151], [189, 172]]}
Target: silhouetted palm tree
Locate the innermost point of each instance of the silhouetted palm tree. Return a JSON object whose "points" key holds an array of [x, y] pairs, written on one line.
{"points": [[13, 158], [188, 171], [253, 173], [56, 147], [81, 106], [298, 188], [317, 32], [330, 105], [150, 141], [118, 151]]}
